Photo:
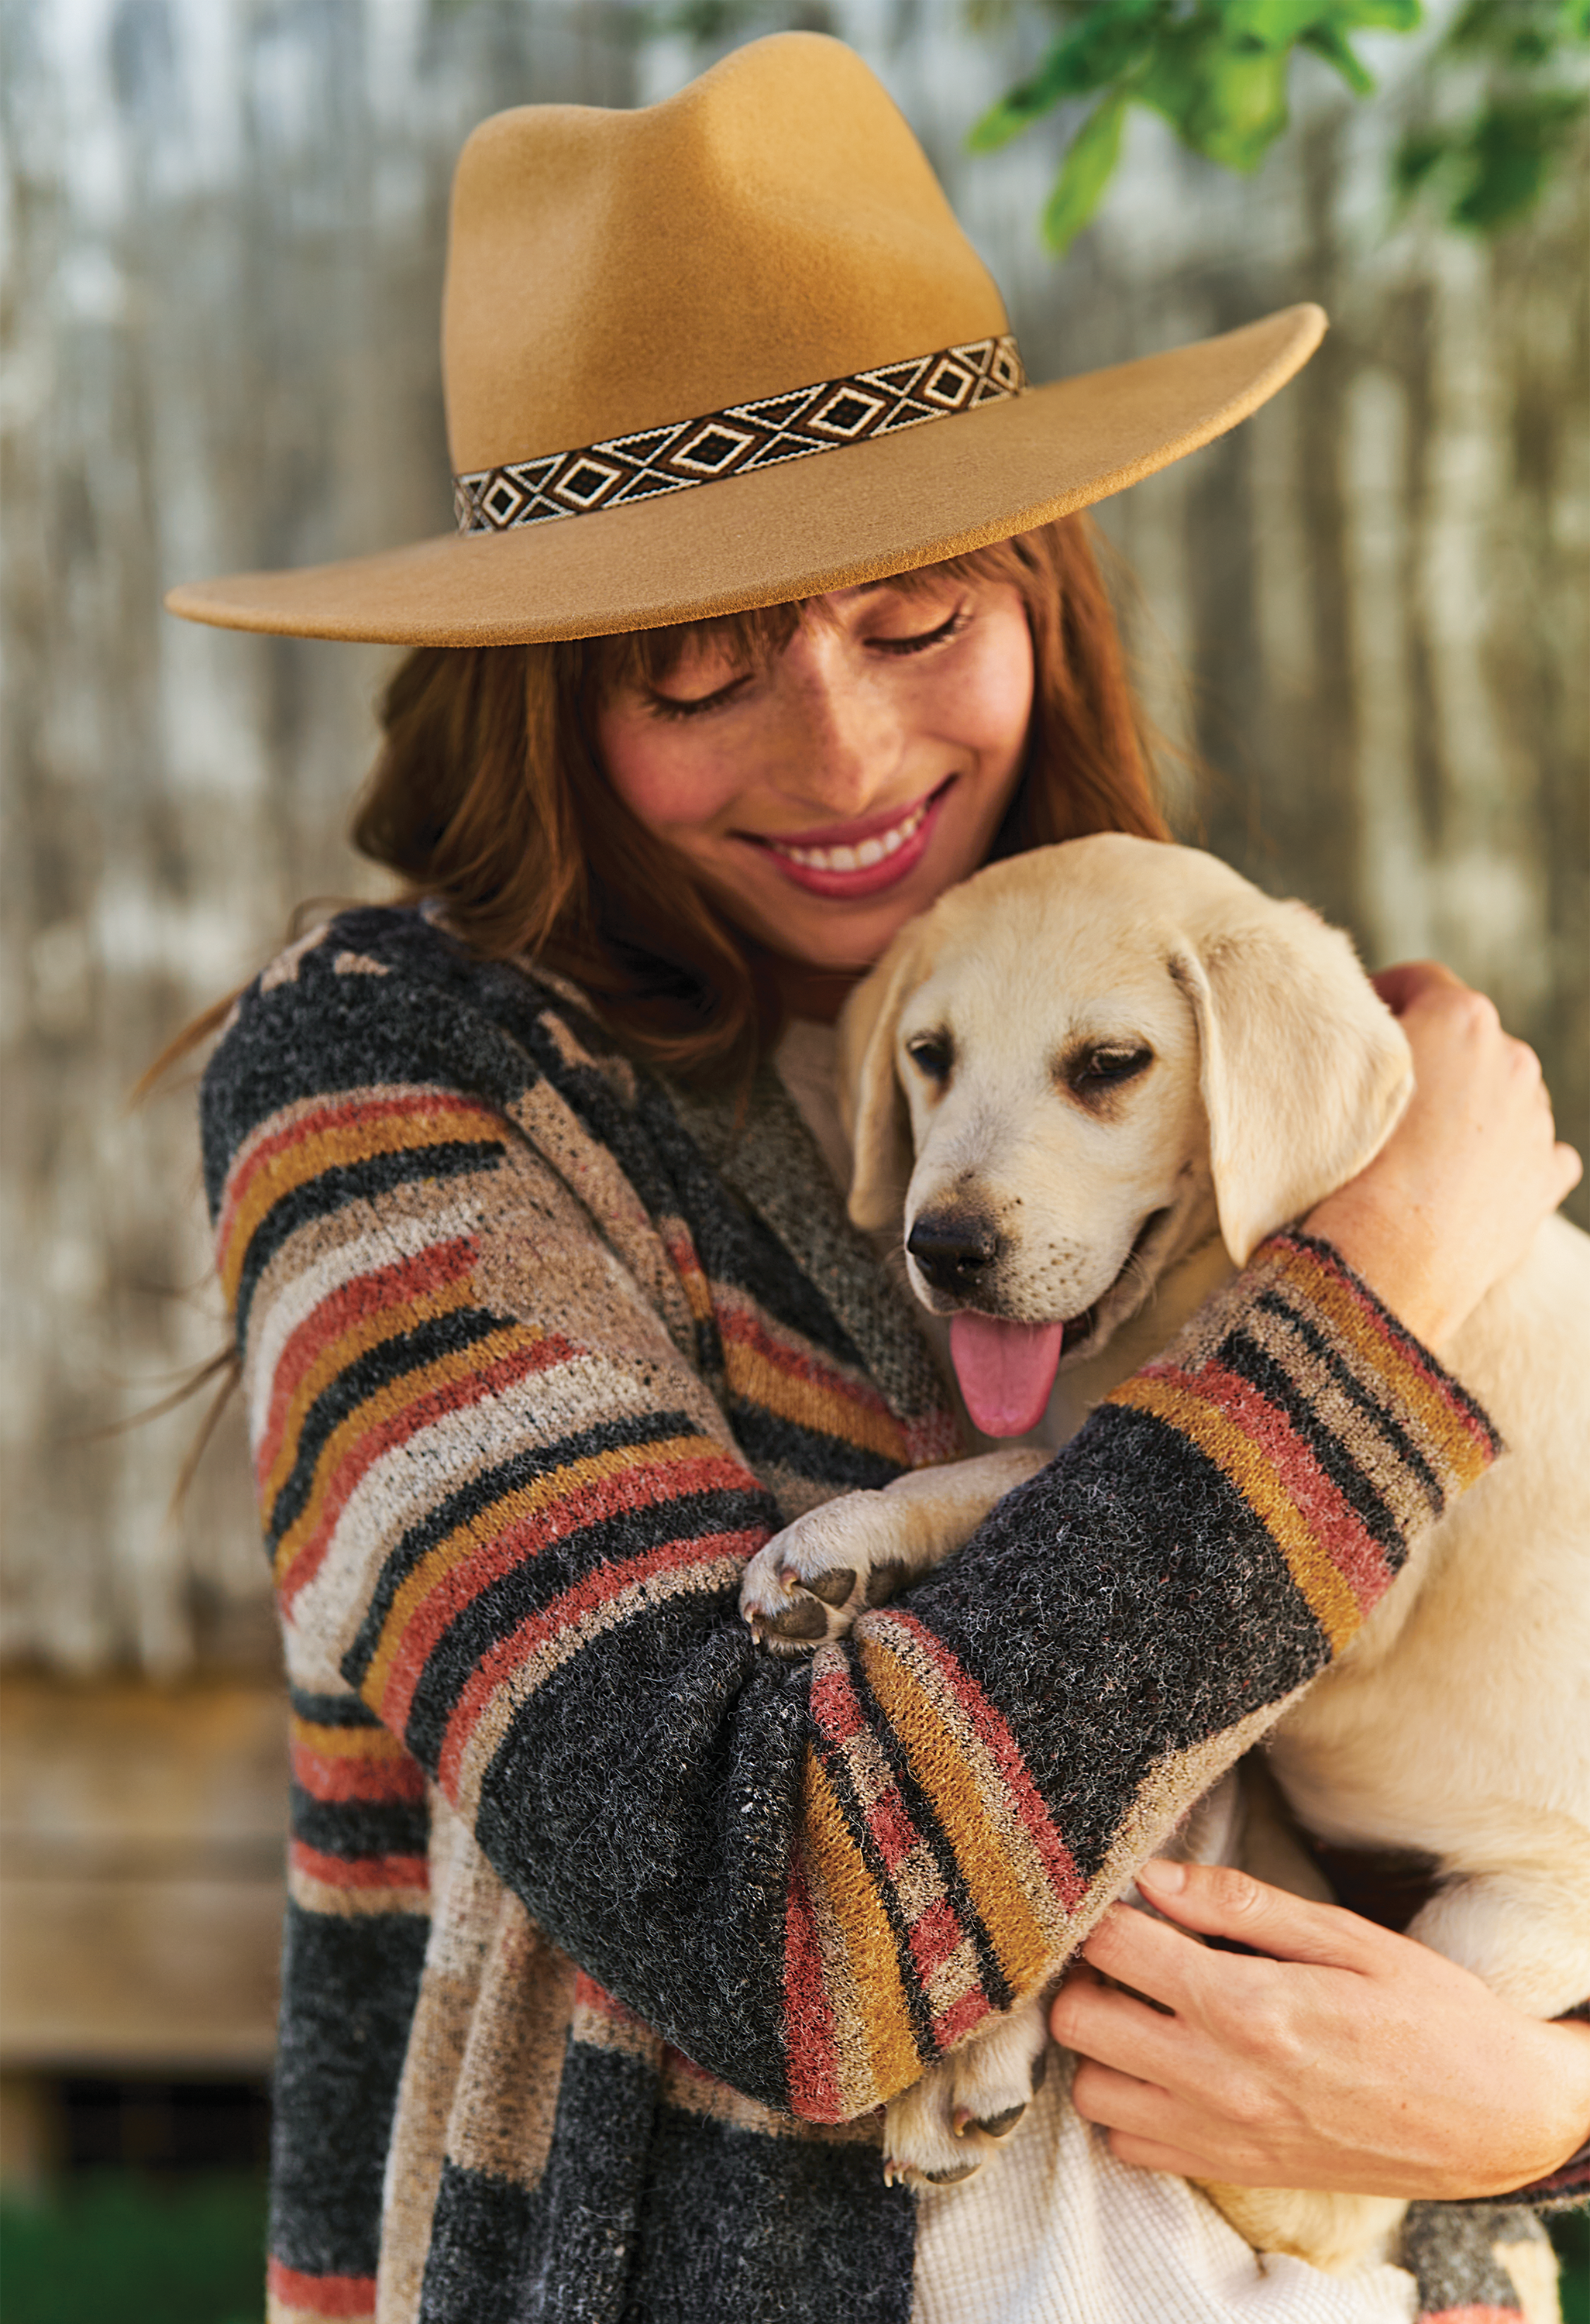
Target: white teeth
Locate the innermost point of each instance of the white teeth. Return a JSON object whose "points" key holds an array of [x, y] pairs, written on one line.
{"points": [[854, 859]]}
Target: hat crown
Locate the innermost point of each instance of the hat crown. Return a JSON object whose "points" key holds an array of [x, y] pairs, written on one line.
{"points": [[773, 224]]}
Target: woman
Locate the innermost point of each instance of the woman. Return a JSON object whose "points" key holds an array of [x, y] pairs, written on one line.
{"points": [[607, 1936]]}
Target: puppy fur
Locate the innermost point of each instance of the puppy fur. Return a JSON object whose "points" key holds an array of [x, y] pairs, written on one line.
{"points": [[1124, 1066]]}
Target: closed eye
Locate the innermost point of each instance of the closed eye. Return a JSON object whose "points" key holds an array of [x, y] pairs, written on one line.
{"points": [[924, 638]]}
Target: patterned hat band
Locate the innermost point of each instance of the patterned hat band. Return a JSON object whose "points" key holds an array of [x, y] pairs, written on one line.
{"points": [[804, 421]]}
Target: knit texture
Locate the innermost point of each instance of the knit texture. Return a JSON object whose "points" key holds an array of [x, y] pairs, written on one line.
{"points": [[607, 1936]]}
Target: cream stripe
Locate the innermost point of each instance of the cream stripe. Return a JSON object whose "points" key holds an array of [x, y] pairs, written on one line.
{"points": [[315, 1262], [1378, 1353], [840, 1991], [386, 1405], [1393, 1476], [401, 1489]]}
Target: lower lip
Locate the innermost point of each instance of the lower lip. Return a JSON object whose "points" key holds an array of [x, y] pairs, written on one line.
{"points": [[874, 878]]}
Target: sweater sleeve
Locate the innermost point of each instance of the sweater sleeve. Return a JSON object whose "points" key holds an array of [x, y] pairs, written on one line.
{"points": [[505, 1509]]}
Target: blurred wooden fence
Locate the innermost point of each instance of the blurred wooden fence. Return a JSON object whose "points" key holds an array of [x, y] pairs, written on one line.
{"points": [[225, 244]]}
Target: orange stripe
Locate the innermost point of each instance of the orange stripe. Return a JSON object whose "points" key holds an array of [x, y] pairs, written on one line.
{"points": [[808, 1402], [1257, 1479], [339, 1354], [524, 1502], [869, 1944], [365, 1133], [1355, 1323], [939, 1761]]}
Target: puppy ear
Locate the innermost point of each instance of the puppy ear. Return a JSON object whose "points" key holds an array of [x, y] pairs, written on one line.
{"points": [[871, 1099], [1305, 1070]]}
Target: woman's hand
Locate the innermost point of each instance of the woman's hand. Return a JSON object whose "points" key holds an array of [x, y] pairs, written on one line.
{"points": [[1345, 2058], [1454, 1198]]}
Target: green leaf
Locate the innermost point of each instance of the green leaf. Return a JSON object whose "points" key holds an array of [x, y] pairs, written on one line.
{"points": [[1110, 42], [1228, 104], [1327, 42], [1088, 167], [1272, 25], [1420, 153], [1512, 146]]}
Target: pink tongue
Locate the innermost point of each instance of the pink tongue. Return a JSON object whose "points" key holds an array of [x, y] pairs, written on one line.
{"points": [[1006, 1371]]}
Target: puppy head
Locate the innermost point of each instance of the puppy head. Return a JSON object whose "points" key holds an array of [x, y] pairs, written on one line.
{"points": [[1022, 1079], [1076, 1041]]}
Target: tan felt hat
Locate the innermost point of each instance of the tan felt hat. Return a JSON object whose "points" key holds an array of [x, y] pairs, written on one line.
{"points": [[728, 350]]}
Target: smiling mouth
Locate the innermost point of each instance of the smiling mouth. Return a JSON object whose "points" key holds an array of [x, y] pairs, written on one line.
{"points": [[881, 854]]}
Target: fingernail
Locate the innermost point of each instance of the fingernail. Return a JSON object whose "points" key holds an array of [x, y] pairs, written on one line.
{"points": [[1161, 1873]]}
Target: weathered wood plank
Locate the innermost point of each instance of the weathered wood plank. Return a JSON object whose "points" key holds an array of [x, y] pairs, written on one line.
{"points": [[141, 1838], [225, 222]]}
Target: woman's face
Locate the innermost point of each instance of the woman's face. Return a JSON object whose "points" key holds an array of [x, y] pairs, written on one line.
{"points": [[824, 799]]}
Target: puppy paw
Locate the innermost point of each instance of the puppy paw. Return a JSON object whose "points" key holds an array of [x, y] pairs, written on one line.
{"points": [[947, 2126], [811, 1580]]}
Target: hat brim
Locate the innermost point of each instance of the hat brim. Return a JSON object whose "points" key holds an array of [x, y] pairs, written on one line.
{"points": [[816, 524]]}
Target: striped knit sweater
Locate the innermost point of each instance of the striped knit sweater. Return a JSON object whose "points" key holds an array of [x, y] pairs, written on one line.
{"points": [[607, 1936]]}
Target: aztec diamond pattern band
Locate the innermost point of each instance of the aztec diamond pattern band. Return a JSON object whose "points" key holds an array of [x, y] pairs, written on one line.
{"points": [[804, 421]]}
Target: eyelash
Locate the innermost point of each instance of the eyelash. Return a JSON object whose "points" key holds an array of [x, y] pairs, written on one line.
{"points": [[668, 706]]}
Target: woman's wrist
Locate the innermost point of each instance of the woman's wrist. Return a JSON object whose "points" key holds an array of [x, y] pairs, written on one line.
{"points": [[1396, 1257], [1563, 2082]]}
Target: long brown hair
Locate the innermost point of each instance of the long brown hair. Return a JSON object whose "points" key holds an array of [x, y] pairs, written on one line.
{"points": [[489, 795]]}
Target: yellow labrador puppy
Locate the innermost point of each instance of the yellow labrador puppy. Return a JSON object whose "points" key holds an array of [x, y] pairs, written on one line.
{"points": [[1093, 1079]]}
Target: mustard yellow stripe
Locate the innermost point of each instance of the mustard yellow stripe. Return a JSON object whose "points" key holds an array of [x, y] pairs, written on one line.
{"points": [[359, 1140], [869, 1941], [389, 1402], [337, 1355], [515, 1508], [1254, 1473], [1463, 1452], [347, 1742], [939, 1760], [808, 1403]]}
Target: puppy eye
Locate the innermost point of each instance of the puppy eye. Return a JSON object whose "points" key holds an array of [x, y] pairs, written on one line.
{"points": [[1107, 1067], [932, 1055]]}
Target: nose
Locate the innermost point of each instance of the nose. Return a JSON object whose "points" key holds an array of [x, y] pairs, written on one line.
{"points": [[842, 739], [955, 1249]]}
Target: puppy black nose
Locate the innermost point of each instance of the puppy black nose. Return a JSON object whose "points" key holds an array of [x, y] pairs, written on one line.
{"points": [[953, 1250]]}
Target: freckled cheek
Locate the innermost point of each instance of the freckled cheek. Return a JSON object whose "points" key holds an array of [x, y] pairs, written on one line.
{"points": [[673, 793], [992, 708]]}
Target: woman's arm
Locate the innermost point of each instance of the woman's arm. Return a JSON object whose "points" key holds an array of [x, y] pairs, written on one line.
{"points": [[1350, 2058], [492, 1332]]}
